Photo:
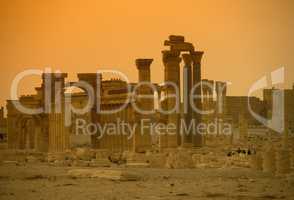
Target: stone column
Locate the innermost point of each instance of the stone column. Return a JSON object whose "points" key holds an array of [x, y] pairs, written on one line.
{"points": [[220, 89], [204, 105], [171, 62], [58, 133], [210, 106], [219, 103], [142, 139], [243, 128], [210, 94], [187, 110], [196, 58], [94, 79]]}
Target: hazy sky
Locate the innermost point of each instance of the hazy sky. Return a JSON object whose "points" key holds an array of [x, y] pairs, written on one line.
{"points": [[243, 40]]}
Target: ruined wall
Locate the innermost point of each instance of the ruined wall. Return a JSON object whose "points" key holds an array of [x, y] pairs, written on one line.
{"points": [[3, 126], [237, 104]]}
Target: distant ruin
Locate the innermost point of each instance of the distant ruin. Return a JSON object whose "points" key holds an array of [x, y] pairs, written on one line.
{"points": [[47, 132]]}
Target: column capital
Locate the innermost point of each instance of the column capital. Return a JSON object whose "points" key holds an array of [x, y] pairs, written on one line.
{"points": [[143, 63], [171, 56], [187, 58], [197, 56]]}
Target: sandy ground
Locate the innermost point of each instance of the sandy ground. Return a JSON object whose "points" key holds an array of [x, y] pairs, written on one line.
{"points": [[42, 182]]}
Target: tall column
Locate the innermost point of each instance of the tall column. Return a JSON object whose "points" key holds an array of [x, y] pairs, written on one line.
{"points": [[187, 86], [94, 79], [196, 58], [57, 131], [221, 90], [205, 102], [171, 62], [142, 139]]}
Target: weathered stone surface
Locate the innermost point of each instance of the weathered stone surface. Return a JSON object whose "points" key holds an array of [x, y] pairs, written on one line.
{"points": [[157, 160], [182, 47], [179, 160], [135, 157], [100, 163], [61, 163], [52, 157], [102, 154], [116, 175], [138, 164], [85, 154], [256, 161], [283, 161], [269, 160], [13, 162]]}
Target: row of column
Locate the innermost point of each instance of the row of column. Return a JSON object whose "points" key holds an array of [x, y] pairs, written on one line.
{"points": [[119, 141], [192, 78]]}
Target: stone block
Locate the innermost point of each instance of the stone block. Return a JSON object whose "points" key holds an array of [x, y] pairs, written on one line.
{"points": [[178, 47], [138, 164], [176, 38]]}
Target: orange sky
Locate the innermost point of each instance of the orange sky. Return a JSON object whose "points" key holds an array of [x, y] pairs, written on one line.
{"points": [[242, 39]]}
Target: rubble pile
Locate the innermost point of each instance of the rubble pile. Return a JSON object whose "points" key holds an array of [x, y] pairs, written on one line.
{"points": [[179, 160]]}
